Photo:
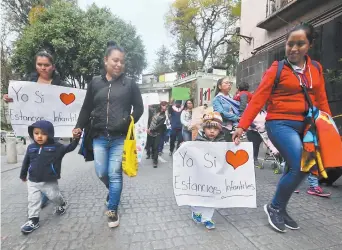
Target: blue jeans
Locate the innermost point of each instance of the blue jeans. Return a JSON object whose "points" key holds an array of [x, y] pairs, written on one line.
{"points": [[108, 159], [187, 135], [167, 136], [313, 181], [286, 136]]}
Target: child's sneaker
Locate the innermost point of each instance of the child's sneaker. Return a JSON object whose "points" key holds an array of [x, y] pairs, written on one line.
{"points": [[209, 224], [29, 227], [318, 191], [61, 209], [257, 164], [196, 217]]}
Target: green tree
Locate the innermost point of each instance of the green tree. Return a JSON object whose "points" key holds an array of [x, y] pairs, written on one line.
{"points": [[229, 56], [210, 23], [162, 64], [185, 58], [78, 39]]}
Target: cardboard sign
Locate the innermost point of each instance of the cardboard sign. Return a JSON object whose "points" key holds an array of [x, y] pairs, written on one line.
{"points": [[141, 125], [33, 102], [181, 93], [214, 174]]}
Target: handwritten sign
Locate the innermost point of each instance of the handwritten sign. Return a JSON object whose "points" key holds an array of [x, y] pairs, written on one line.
{"points": [[214, 174], [141, 125], [33, 102]]}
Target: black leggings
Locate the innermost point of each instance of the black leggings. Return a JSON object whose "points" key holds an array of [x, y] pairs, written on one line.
{"points": [[256, 139]]}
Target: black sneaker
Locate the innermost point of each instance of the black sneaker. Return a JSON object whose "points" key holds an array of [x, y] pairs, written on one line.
{"points": [[113, 218], [275, 218], [61, 209], [289, 222], [148, 157], [29, 226], [155, 164]]}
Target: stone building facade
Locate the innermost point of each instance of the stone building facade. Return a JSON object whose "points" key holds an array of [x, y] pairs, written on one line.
{"points": [[267, 22]]}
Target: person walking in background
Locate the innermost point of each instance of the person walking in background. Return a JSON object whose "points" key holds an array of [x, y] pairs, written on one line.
{"points": [[175, 111], [226, 106], [243, 96], [156, 130], [186, 117], [168, 129], [286, 112], [149, 145], [163, 134], [108, 106]]}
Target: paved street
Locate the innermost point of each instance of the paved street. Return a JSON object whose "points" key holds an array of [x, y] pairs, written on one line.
{"points": [[150, 218]]}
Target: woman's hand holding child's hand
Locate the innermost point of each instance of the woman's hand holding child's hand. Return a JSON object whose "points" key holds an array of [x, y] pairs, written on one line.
{"points": [[76, 133]]}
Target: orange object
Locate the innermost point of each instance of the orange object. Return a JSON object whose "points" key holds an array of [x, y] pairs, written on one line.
{"points": [[67, 98], [330, 143], [237, 159]]}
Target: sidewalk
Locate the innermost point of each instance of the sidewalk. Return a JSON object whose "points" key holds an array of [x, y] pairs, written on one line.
{"points": [[151, 219]]}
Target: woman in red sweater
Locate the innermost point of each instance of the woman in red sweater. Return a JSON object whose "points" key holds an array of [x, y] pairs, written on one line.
{"points": [[286, 111]]}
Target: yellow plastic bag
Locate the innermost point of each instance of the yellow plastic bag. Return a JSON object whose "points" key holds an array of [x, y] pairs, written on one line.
{"points": [[129, 156]]}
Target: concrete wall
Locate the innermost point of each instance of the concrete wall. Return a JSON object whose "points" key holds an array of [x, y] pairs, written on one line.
{"points": [[164, 96]]}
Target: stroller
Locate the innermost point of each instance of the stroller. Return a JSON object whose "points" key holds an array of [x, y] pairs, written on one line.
{"points": [[272, 154]]}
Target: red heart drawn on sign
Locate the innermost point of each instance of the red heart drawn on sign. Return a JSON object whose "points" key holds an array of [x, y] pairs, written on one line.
{"points": [[237, 159], [67, 98]]}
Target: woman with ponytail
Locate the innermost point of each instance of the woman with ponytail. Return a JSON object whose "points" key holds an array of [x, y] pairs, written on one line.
{"points": [[108, 105]]}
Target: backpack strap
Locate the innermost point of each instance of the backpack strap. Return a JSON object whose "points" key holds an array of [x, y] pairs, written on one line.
{"points": [[281, 66], [315, 64], [277, 78]]}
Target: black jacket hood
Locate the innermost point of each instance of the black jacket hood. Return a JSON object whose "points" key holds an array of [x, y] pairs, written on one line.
{"points": [[46, 126]]}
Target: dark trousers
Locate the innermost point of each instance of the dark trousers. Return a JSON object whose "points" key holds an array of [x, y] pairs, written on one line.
{"points": [[155, 144], [227, 135], [149, 145], [176, 134], [161, 142], [256, 139]]}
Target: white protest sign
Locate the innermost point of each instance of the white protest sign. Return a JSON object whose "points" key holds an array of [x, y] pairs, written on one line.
{"points": [[33, 102], [141, 125], [214, 174]]}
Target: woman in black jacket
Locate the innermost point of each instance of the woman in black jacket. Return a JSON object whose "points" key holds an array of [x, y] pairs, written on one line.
{"points": [[108, 105]]}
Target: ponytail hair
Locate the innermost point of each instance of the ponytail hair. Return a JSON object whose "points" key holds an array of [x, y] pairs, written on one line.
{"points": [[111, 45]]}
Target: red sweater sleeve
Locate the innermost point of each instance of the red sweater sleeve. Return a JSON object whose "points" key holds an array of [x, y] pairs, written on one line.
{"points": [[260, 97], [321, 94]]}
